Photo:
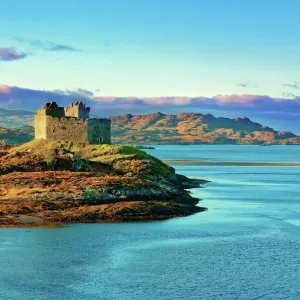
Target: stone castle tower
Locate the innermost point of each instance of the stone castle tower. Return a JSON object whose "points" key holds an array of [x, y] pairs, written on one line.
{"points": [[79, 110], [71, 124]]}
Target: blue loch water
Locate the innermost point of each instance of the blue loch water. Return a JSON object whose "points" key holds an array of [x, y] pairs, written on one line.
{"points": [[245, 246]]}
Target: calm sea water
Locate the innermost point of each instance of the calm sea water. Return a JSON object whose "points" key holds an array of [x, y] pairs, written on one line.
{"points": [[246, 246]]}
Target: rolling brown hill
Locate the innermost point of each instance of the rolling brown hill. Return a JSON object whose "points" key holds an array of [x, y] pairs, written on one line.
{"points": [[14, 118], [16, 135], [183, 128], [192, 128]]}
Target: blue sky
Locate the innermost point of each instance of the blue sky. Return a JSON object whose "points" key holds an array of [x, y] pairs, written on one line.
{"points": [[192, 48], [154, 48]]}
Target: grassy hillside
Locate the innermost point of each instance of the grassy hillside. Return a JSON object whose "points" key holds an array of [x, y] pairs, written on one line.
{"points": [[17, 135], [41, 155], [67, 182]]}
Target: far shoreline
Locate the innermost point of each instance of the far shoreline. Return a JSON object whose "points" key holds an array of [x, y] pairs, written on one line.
{"points": [[228, 163]]}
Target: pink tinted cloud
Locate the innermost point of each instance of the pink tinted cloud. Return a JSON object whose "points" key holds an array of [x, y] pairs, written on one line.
{"points": [[4, 89], [243, 99], [9, 54], [15, 97], [167, 101]]}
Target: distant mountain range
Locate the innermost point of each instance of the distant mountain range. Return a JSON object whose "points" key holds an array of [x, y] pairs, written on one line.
{"points": [[192, 128], [14, 118], [158, 128]]}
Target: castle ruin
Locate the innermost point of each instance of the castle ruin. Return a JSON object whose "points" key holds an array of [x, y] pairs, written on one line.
{"points": [[71, 124]]}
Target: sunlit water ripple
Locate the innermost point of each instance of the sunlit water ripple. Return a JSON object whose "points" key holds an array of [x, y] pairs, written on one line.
{"points": [[245, 246]]}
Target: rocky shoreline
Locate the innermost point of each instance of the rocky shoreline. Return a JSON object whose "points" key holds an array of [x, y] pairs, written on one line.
{"points": [[49, 185]]}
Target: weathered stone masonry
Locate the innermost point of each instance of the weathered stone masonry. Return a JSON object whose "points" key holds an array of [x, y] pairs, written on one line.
{"points": [[53, 124]]}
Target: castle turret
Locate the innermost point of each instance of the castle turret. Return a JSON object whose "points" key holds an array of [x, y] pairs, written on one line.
{"points": [[79, 110], [52, 109]]}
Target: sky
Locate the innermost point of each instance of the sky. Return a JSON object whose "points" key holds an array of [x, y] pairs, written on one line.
{"points": [[157, 48]]}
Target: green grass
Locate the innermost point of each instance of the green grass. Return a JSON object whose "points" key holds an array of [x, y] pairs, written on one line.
{"points": [[122, 158]]}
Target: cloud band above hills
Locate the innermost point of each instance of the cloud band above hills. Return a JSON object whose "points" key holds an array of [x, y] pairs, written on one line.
{"points": [[280, 113]]}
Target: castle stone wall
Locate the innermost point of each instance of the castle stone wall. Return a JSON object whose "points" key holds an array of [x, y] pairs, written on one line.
{"points": [[66, 129], [40, 126], [99, 131], [87, 131]]}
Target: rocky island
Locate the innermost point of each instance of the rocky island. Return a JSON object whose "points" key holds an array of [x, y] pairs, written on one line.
{"points": [[72, 173], [44, 182]]}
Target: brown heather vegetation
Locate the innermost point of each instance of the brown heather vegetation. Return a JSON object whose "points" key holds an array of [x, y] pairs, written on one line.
{"points": [[44, 182], [192, 128], [17, 135]]}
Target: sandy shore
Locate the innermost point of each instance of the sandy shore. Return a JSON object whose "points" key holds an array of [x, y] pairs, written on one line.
{"points": [[229, 163]]}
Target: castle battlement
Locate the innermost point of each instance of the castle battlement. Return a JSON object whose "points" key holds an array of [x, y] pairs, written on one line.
{"points": [[71, 124], [79, 110]]}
